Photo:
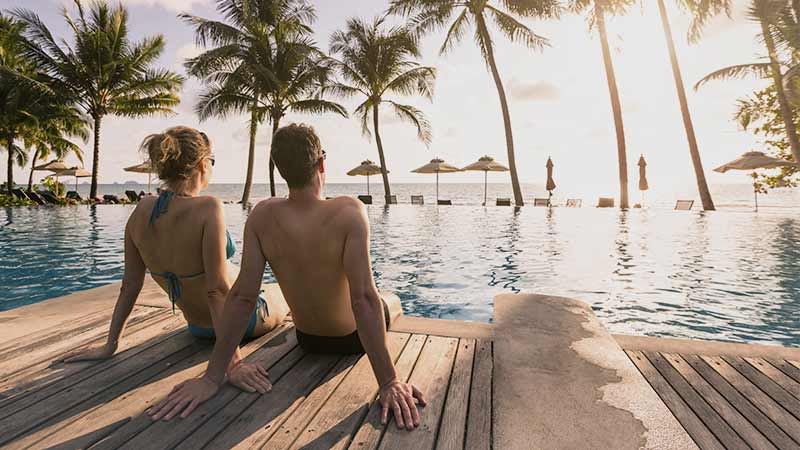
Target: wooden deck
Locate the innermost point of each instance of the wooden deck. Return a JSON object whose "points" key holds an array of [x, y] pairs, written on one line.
{"points": [[726, 396]]}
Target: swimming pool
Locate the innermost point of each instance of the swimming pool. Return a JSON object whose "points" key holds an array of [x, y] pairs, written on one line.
{"points": [[727, 275]]}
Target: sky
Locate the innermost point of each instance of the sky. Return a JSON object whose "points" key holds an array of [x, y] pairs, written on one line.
{"points": [[558, 98]]}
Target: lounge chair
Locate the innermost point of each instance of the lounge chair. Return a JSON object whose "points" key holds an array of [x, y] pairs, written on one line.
{"points": [[503, 202], [605, 202], [49, 197], [684, 205], [20, 194], [541, 202], [74, 196], [366, 199], [112, 199], [392, 200], [574, 203], [417, 200], [132, 196], [444, 202], [35, 197]]}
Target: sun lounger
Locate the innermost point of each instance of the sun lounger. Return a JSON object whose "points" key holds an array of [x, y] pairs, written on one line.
{"points": [[19, 194], [392, 200], [49, 197], [684, 205], [541, 202], [35, 197], [132, 196], [503, 202], [444, 202], [74, 196], [574, 203], [417, 200], [605, 202], [366, 199], [112, 199]]}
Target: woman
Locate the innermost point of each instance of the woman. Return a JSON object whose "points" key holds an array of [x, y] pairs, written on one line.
{"points": [[180, 237]]}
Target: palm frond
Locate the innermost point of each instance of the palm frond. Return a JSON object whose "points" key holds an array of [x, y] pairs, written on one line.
{"points": [[317, 106], [456, 32], [415, 117], [761, 70], [516, 31], [417, 81]]}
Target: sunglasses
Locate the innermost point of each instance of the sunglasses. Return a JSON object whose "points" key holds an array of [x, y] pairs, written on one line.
{"points": [[213, 160]]}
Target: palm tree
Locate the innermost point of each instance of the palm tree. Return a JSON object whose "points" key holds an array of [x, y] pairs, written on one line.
{"points": [[374, 62], [432, 14], [599, 8], [702, 11], [103, 71], [264, 64], [57, 124], [767, 13]]}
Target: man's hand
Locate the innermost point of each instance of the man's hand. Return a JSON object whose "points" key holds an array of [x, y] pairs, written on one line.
{"points": [[250, 378], [90, 354], [402, 398], [188, 394]]}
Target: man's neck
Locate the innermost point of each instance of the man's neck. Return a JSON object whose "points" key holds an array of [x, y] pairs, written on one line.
{"points": [[307, 194]]}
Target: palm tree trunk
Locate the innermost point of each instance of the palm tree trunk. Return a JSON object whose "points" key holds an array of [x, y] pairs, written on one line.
{"points": [[777, 78], [702, 185], [275, 125], [512, 164], [10, 179], [384, 173], [616, 108], [96, 157], [251, 156], [33, 164]]}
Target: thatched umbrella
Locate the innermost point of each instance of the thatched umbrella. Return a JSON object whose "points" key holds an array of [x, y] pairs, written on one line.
{"points": [[551, 184], [753, 161], [56, 166], [77, 172], [144, 167], [437, 166], [486, 164], [367, 168]]}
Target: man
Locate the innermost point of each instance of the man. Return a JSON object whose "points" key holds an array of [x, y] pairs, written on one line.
{"points": [[319, 252]]}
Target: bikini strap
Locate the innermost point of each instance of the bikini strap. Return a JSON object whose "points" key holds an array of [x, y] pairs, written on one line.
{"points": [[161, 205], [174, 284]]}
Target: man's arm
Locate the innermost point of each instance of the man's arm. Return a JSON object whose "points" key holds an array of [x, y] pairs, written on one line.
{"points": [[368, 312]]}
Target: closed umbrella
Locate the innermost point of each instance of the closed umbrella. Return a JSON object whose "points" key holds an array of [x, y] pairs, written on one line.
{"points": [[486, 164], [77, 172], [144, 167], [643, 185], [551, 184], [56, 166], [437, 166], [753, 161], [367, 168]]}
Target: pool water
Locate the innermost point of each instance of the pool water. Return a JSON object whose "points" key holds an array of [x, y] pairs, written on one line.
{"points": [[727, 275]]}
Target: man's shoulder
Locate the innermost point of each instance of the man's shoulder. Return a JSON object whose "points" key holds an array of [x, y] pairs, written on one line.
{"points": [[264, 206]]}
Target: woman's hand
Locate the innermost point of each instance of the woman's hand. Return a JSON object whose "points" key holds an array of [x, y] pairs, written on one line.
{"points": [[90, 354], [185, 396], [402, 398], [250, 378]]}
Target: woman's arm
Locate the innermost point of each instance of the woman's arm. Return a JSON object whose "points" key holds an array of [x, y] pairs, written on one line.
{"points": [[132, 282]]}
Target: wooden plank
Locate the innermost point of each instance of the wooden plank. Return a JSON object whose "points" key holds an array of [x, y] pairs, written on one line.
{"points": [[789, 424], [336, 421], [141, 430], [760, 420], [370, 432], [728, 412], [783, 398], [61, 328], [701, 408], [66, 343], [132, 409], [789, 369], [44, 376], [430, 375], [791, 386], [265, 415], [701, 435], [703, 347], [479, 416], [454, 418]]}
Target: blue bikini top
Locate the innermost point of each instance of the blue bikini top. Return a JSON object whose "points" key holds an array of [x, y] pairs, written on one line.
{"points": [[173, 280]]}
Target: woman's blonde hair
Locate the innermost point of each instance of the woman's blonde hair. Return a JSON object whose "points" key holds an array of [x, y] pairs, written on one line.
{"points": [[176, 153]]}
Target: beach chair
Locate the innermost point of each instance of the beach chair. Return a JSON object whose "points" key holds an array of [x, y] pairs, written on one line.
{"points": [[112, 199], [605, 202], [444, 202], [35, 197], [49, 197], [74, 196], [541, 202], [503, 202], [684, 205], [365, 199], [417, 200], [574, 203], [132, 196], [20, 194], [392, 200]]}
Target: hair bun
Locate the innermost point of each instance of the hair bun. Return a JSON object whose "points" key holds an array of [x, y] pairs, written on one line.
{"points": [[176, 153]]}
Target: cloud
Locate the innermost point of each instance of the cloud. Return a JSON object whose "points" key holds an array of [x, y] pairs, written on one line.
{"points": [[538, 91], [172, 5], [243, 135], [187, 51]]}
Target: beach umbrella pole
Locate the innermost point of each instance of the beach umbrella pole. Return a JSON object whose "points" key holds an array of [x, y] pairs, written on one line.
{"points": [[485, 178], [437, 188], [368, 185]]}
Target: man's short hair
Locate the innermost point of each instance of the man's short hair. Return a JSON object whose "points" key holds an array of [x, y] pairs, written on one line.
{"points": [[296, 151]]}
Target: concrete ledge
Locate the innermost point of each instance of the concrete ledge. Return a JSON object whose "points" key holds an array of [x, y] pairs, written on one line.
{"points": [[688, 346], [446, 328], [561, 377]]}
